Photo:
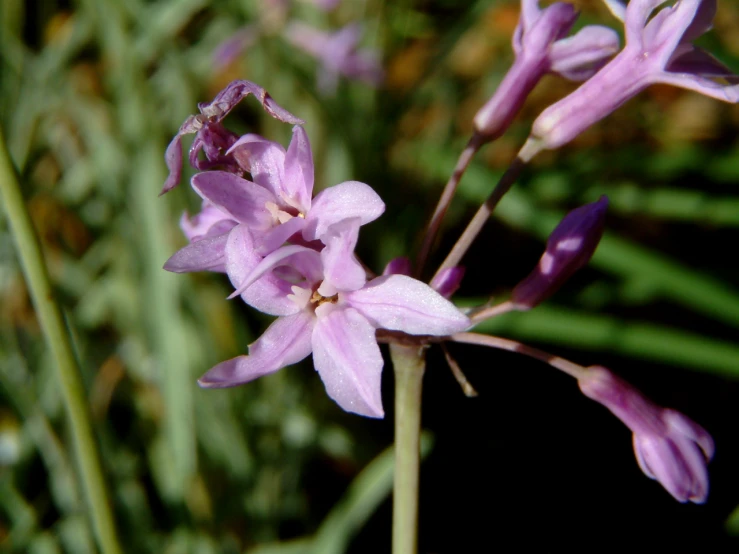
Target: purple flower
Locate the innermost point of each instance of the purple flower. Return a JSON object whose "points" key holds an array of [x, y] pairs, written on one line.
{"points": [[235, 45], [541, 46], [210, 136], [658, 49], [338, 54], [569, 247], [276, 206], [669, 446], [333, 313]]}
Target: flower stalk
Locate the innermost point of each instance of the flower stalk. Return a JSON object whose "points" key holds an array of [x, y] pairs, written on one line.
{"points": [[483, 213], [409, 363], [68, 371]]}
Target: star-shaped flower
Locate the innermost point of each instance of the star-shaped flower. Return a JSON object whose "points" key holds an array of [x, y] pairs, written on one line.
{"points": [[334, 312]]}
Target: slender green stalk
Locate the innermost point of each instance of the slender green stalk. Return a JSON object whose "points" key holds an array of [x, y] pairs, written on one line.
{"points": [[57, 335], [480, 218], [445, 200], [409, 364]]}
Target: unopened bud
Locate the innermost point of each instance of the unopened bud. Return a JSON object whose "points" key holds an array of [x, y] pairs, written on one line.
{"points": [[447, 281], [570, 247]]}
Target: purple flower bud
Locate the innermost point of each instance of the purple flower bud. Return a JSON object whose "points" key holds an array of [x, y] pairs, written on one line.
{"points": [[398, 266], [570, 247], [447, 281], [541, 47], [658, 49], [669, 446]]}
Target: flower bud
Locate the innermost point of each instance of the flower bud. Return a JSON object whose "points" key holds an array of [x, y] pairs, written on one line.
{"points": [[398, 266], [570, 247], [448, 280], [669, 446]]}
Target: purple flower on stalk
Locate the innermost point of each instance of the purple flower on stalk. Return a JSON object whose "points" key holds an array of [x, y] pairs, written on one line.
{"points": [[542, 46], [276, 206], [210, 136], [334, 313], [338, 54], [669, 446], [659, 49], [569, 247]]}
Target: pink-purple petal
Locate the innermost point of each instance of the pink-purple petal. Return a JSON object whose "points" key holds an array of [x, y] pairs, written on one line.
{"points": [[268, 294], [271, 240], [342, 271], [297, 187], [685, 426], [705, 86], [173, 159], [348, 359], [401, 303], [285, 342], [578, 57], [270, 262], [343, 201], [263, 159], [208, 222], [243, 200], [207, 254]]}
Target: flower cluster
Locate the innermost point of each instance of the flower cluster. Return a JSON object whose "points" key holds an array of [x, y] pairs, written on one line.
{"points": [[291, 254]]}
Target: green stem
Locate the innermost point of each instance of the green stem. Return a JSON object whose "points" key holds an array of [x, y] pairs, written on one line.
{"points": [[57, 335], [409, 364]]}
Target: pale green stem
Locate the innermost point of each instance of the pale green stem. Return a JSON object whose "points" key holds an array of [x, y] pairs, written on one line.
{"points": [[480, 218], [53, 326], [409, 364], [445, 200]]}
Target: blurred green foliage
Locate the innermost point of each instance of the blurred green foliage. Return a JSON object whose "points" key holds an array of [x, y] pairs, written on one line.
{"points": [[90, 94]]}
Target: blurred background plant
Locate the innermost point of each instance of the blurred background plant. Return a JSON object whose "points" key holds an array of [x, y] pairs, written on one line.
{"points": [[90, 94]]}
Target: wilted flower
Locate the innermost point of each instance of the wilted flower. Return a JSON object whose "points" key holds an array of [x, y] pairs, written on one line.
{"points": [[541, 46], [669, 446], [210, 136], [658, 49], [570, 247], [333, 313], [338, 54]]}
